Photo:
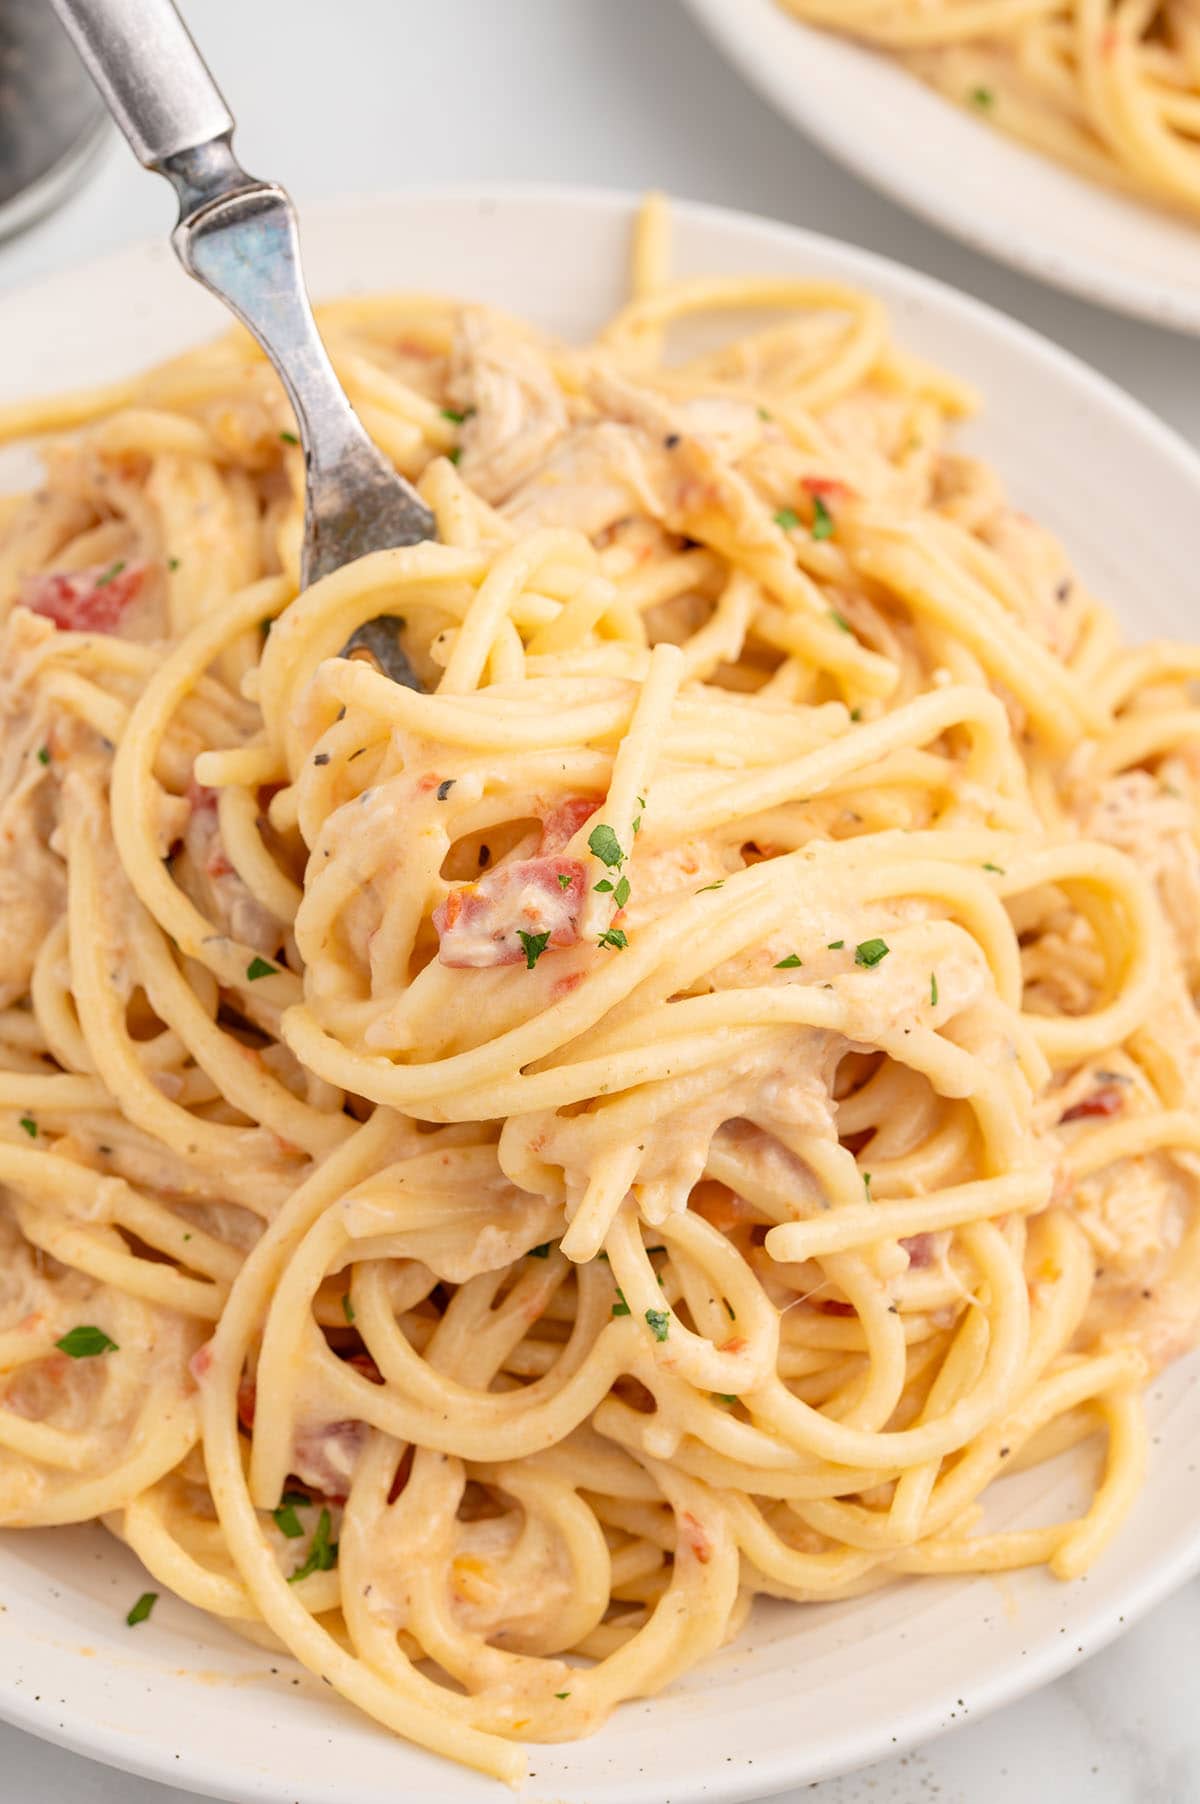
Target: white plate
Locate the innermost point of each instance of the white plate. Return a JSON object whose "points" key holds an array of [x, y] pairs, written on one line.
{"points": [[805, 1692], [960, 172]]}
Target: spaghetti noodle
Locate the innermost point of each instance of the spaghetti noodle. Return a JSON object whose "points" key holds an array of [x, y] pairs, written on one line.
{"points": [[1109, 87], [496, 1178]]}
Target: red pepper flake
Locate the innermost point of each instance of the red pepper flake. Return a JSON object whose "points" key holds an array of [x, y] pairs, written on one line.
{"points": [[696, 1537], [827, 487], [1107, 1100]]}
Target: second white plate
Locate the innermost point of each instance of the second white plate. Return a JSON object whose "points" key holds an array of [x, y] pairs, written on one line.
{"points": [[961, 173]]}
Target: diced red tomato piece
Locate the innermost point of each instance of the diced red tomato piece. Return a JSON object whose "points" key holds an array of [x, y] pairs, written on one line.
{"points": [[84, 601], [480, 924], [563, 823], [828, 487], [1107, 1100]]}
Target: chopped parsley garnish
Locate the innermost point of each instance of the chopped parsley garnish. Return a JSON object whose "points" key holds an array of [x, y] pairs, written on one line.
{"points": [[260, 967], [719, 884], [172, 563], [764, 415], [564, 882], [30, 1126], [85, 1342], [562, 1694], [659, 1322], [822, 526], [542, 1252], [729, 1309], [285, 1517], [620, 1307], [982, 97], [933, 989], [603, 842], [142, 1608], [535, 944], [453, 456], [856, 714], [867, 1186], [870, 952], [787, 519], [621, 893], [347, 1306], [322, 1552], [724, 1397], [452, 414], [613, 936], [289, 438], [836, 945], [43, 754], [790, 963], [444, 788], [839, 620], [112, 571], [997, 868]]}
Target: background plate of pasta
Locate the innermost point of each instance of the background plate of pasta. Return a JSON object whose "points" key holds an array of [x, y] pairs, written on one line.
{"points": [[625, 1222], [1058, 136]]}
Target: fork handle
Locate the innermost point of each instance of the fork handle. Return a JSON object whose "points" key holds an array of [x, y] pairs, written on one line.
{"points": [[238, 237], [156, 84]]}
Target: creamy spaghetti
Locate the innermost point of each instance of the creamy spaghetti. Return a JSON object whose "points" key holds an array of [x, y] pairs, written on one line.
{"points": [[496, 1178], [1109, 87]]}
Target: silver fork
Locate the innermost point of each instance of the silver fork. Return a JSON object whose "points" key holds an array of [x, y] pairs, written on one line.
{"points": [[238, 237]]}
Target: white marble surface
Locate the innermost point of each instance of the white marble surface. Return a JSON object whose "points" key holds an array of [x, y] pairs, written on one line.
{"points": [[625, 93]]}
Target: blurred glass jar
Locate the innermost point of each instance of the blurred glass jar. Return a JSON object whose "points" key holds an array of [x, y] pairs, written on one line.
{"points": [[50, 114]]}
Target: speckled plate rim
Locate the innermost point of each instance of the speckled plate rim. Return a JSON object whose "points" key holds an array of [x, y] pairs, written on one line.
{"points": [[805, 1693], [1006, 199]]}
